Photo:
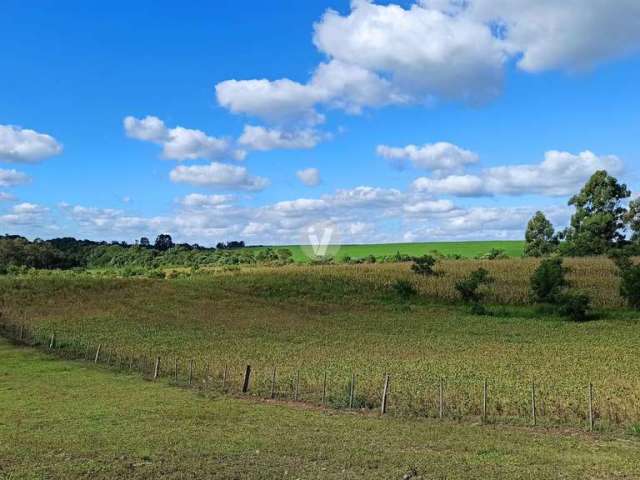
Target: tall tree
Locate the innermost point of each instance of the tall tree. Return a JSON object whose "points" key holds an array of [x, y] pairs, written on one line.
{"points": [[540, 237], [598, 223], [632, 218], [163, 242]]}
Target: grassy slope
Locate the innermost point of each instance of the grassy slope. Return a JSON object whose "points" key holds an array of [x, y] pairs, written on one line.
{"points": [[466, 249], [66, 420], [294, 319]]}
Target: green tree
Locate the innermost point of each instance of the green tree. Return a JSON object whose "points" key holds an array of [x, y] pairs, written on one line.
{"points": [[548, 280], [540, 237], [163, 242], [597, 225], [632, 219]]}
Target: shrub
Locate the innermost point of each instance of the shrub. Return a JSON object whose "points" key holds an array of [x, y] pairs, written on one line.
{"points": [[424, 265], [404, 289], [494, 254], [468, 289], [549, 286], [548, 280], [573, 305], [629, 279]]}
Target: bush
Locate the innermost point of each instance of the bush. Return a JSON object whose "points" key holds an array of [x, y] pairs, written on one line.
{"points": [[468, 289], [424, 265], [573, 305], [548, 280], [549, 286], [494, 254], [404, 289], [629, 279]]}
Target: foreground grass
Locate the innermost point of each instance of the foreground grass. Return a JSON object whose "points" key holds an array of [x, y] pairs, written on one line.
{"points": [[66, 420]]}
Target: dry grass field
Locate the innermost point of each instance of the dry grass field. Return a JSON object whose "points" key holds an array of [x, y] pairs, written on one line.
{"points": [[339, 320]]}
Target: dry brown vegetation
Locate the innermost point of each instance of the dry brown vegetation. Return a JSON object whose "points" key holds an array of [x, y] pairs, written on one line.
{"points": [[343, 319]]}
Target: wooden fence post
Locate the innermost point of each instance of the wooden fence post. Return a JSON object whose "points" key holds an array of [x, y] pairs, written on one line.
{"points": [[97, 357], [175, 370], [324, 388], [156, 369], [296, 393], [190, 372], [224, 377], [484, 402], [385, 393], [590, 407], [245, 382], [52, 341], [273, 383], [21, 333], [352, 389], [533, 404], [440, 400], [206, 375]]}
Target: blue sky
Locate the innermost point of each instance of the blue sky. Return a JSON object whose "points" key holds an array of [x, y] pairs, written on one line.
{"points": [[394, 121]]}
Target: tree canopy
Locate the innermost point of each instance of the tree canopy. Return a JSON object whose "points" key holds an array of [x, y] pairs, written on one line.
{"points": [[540, 237], [597, 225]]}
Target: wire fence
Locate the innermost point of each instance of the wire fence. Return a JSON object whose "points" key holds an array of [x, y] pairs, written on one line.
{"points": [[488, 401]]}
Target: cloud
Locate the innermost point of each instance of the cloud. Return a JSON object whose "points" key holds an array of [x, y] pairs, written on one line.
{"points": [[456, 50], [218, 175], [261, 138], [6, 197], [425, 52], [335, 84], [148, 129], [361, 214], [21, 145], [561, 173], [279, 101], [25, 214], [11, 178], [441, 157], [180, 143], [309, 176], [112, 220], [429, 206], [477, 223], [200, 200], [567, 35]]}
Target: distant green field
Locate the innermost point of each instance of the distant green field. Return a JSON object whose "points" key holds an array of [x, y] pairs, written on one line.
{"points": [[513, 248]]}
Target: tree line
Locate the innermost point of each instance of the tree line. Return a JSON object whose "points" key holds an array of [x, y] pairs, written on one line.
{"points": [[18, 253]]}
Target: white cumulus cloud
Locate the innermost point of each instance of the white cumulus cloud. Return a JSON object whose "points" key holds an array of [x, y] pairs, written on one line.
{"points": [[21, 145], [261, 138], [200, 200], [381, 54], [560, 173], [218, 175], [11, 178], [309, 176], [441, 157], [180, 143]]}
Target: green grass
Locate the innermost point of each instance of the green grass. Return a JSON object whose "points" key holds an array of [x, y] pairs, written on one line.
{"points": [[343, 320], [466, 249], [62, 419]]}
